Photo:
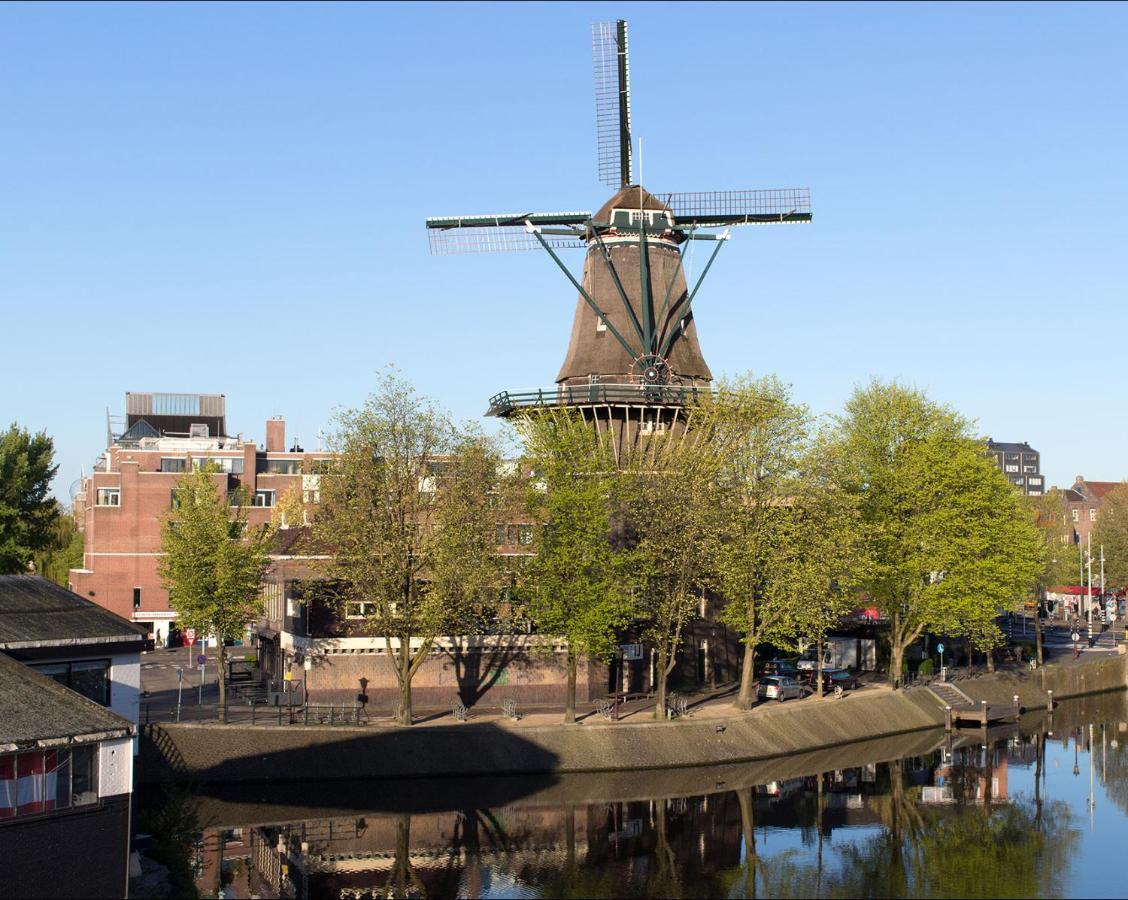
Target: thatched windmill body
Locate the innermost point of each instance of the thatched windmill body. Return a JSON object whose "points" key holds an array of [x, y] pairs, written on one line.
{"points": [[634, 362]]}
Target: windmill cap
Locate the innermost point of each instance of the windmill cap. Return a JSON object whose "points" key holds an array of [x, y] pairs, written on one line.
{"points": [[633, 196]]}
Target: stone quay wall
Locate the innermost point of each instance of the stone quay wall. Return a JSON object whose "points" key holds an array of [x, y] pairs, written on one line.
{"points": [[216, 753]]}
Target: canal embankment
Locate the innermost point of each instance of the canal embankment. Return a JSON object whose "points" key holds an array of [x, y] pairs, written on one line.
{"points": [[214, 753]]}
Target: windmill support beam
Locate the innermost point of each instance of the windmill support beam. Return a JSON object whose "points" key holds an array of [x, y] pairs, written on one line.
{"points": [[603, 252], [687, 307], [648, 340], [587, 297]]}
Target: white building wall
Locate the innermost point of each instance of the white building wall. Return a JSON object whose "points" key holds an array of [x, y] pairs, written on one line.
{"points": [[115, 767]]}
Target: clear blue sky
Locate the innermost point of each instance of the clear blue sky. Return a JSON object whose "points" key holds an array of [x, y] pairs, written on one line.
{"points": [[231, 199]]}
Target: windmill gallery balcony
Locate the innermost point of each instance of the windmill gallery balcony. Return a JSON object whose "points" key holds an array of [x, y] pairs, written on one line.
{"points": [[642, 393]]}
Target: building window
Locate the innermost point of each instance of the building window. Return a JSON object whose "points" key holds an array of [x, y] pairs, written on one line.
{"points": [[174, 499], [311, 496], [173, 464], [524, 535], [230, 465], [137, 598], [89, 677], [321, 466], [1076, 516], [108, 497], [279, 466], [1092, 514], [263, 498], [45, 781], [1010, 468], [359, 610]]}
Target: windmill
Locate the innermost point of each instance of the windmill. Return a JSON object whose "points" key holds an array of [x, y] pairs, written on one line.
{"points": [[633, 361]]}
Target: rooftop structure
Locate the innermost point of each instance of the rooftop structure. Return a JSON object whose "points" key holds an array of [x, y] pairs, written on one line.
{"points": [[1021, 463], [36, 613], [121, 505]]}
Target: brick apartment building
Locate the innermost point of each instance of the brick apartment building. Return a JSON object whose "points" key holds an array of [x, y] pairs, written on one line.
{"points": [[123, 502], [1082, 505]]}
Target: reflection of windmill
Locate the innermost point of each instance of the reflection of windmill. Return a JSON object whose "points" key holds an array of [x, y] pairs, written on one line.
{"points": [[633, 361]]}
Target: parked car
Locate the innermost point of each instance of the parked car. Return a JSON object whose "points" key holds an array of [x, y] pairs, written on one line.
{"points": [[779, 688], [833, 678], [780, 667], [809, 660]]}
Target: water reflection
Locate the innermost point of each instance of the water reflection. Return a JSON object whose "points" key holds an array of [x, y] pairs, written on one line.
{"points": [[1002, 814]]}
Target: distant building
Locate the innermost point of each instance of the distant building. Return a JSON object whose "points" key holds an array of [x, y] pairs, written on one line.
{"points": [[72, 641], [1082, 505], [66, 776], [1021, 463], [124, 501]]}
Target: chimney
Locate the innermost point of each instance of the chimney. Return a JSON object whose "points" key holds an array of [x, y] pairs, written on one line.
{"points": [[275, 435]]}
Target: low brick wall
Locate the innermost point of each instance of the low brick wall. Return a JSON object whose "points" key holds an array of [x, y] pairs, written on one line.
{"points": [[232, 753]]}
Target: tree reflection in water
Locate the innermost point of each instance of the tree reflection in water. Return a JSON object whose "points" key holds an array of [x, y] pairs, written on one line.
{"points": [[963, 820]]}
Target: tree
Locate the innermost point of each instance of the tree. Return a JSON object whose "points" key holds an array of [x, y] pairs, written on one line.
{"points": [[1112, 533], [671, 525], [944, 536], [574, 583], [765, 437], [213, 563], [1048, 514], [65, 552], [406, 511], [27, 514]]}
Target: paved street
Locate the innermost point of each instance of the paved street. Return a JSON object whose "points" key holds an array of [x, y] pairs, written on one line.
{"points": [[159, 685]]}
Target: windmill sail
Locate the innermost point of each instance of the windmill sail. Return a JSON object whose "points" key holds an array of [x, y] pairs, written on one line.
{"points": [[504, 232], [716, 209], [612, 102]]}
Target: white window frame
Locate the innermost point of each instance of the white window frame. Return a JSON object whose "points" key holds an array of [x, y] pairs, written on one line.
{"points": [[365, 608], [104, 493], [1092, 514], [263, 492]]}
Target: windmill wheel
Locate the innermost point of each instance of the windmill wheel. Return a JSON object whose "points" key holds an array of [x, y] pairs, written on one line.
{"points": [[651, 368]]}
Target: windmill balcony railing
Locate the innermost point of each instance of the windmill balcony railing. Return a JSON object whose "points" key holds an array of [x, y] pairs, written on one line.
{"points": [[609, 394]]}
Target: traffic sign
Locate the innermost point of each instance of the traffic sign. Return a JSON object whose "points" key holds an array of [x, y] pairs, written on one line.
{"points": [[939, 648], [201, 660]]}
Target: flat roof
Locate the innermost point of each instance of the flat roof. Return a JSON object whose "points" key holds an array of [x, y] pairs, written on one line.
{"points": [[35, 612], [36, 711]]}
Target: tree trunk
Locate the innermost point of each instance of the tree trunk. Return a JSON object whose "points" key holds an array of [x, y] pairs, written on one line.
{"points": [[570, 700], [747, 696], [406, 717], [748, 828], [990, 660], [819, 667], [1038, 634], [896, 651], [896, 661], [660, 687], [221, 680]]}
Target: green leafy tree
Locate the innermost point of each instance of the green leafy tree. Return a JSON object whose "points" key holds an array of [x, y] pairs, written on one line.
{"points": [[64, 553], [213, 564], [28, 515], [1048, 513], [574, 583], [945, 538], [407, 511], [671, 525], [761, 440], [1111, 533]]}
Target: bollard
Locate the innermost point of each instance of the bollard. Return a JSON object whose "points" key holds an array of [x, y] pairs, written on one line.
{"points": [[1050, 695], [948, 718], [1016, 699], [983, 709]]}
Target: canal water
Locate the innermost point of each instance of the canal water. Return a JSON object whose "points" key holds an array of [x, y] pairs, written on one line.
{"points": [[1035, 809]]}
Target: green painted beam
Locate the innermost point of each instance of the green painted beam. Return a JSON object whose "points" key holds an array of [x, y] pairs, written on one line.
{"points": [[503, 219], [688, 305]]}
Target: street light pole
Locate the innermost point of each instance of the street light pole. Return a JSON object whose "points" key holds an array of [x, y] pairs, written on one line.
{"points": [[1089, 595]]}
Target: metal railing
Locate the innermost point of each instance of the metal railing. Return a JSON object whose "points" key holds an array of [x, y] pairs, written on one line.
{"points": [[588, 394]]}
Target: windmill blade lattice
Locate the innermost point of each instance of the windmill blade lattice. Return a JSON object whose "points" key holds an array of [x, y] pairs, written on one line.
{"points": [[612, 102], [716, 209], [504, 232]]}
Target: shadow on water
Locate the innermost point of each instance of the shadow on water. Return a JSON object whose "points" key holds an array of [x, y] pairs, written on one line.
{"points": [[924, 814]]}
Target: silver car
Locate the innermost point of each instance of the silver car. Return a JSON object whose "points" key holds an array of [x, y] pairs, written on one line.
{"points": [[779, 688]]}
